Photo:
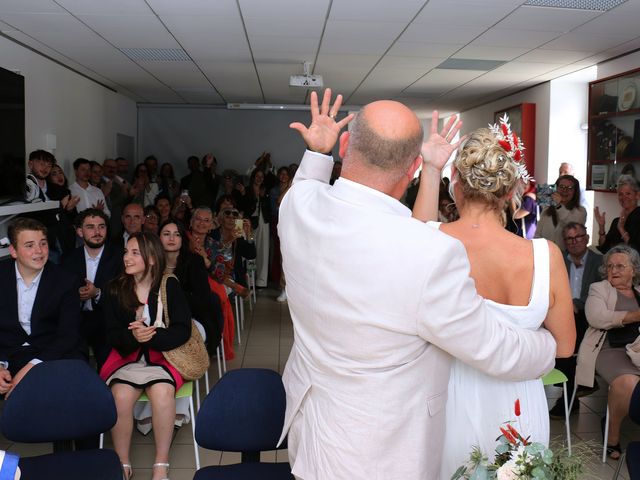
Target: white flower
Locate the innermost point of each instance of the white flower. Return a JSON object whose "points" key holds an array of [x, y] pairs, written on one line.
{"points": [[508, 471]]}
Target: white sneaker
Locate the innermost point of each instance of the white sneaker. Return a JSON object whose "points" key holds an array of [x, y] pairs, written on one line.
{"points": [[282, 297]]}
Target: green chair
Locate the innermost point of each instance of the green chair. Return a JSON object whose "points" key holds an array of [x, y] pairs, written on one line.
{"points": [[185, 391], [556, 377]]}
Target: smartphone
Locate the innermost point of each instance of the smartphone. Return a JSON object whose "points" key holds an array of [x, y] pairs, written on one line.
{"points": [[240, 225], [543, 195]]}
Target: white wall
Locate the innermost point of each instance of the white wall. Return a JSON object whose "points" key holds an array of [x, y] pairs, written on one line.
{"points": [[83, 115], [235, 137], [483, 115]]}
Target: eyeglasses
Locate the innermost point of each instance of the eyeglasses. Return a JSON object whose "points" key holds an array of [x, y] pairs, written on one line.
{"points": [[152, 218], [231, 213], [575, 239], [565, 188], [615, 266]]}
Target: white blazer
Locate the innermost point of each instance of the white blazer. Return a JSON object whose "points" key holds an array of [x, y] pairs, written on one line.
{"points": [[379, 301]]}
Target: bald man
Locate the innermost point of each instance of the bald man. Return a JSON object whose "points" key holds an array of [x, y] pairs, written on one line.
{"points": [[380, 302]]}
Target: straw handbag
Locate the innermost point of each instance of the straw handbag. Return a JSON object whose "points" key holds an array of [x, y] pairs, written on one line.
{"points": [[191, 359]]}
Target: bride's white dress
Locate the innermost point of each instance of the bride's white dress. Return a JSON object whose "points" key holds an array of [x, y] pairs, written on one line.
{"points": [[479, 404]]}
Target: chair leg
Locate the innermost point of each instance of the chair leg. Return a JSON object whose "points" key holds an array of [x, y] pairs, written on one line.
{"points": [[101, 441], [566, 416], [197, 385], [193, 429], [620, 464], [206, 384], [606, 435], [219, 362], [237, 309], [224, 360], [253, 286], [241, 300]]}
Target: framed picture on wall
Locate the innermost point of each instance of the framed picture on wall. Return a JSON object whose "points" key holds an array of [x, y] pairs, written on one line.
{"points": [[522, 118], [599, 177]]}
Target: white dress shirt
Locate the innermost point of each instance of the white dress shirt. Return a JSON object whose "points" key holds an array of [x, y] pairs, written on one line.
{"points": [[26, 298], [92, 268], [89, 197]]}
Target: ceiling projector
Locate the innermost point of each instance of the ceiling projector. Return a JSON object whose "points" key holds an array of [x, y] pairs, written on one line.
{"points": [[306, 80]]}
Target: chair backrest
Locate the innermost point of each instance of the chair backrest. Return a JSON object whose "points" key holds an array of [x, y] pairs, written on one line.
{"points": [[58, 400], [634, 405], [243, 413]]}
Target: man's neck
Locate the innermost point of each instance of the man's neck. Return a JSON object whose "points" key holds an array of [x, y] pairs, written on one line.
{"points": [[27, 274], [578, 259], [93, 252], [82, 183]]}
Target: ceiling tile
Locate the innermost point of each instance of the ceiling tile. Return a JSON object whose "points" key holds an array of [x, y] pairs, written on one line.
{"points": [[376, 10], [302, 9], [29, 6], [514, 38], [583, 41], [196, 8], [441, 81], [111, 7], [441, 34], [424, 50], [554, 56], [546, 19], [131, 32], [490, 53]]}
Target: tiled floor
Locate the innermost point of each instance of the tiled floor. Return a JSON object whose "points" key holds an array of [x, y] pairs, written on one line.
{"points": [[266, 342]]}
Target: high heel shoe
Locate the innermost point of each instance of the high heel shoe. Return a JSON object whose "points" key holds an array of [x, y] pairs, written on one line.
{"points": [[166, 465], [127, 471]]}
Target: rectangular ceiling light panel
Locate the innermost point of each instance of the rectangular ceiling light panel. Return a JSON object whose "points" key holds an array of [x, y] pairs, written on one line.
{"points": [[156, 54], [594, 5]]}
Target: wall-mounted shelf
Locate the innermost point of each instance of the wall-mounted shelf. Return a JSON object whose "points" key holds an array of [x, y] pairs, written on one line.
{"points": [[7, 212]]}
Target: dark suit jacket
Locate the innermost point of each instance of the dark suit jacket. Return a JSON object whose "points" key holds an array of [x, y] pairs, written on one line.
{"points": [[590, 275], [55, 318], [109, 267], [93, 329]]}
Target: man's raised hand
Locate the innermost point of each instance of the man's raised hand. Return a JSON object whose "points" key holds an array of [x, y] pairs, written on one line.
{"points": [[322, 134], [439, 147]]}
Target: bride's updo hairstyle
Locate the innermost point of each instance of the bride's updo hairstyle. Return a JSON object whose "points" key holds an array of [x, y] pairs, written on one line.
{"points": [[485, 172]]}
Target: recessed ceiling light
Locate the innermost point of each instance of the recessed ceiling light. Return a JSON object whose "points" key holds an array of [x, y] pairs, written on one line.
{"points": [[597, 5], [156, 54], [470, 64]]}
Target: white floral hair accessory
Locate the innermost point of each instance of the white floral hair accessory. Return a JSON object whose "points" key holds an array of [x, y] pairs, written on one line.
{"points": [[511, 144]]}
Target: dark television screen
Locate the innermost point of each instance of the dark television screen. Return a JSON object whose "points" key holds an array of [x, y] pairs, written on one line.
{"points": [[12, 141]]}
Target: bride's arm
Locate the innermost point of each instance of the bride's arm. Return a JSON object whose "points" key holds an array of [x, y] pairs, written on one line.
{"points": [[560, 321], [435, 153]]}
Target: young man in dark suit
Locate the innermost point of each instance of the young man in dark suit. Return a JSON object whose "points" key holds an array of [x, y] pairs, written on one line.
{"points": [[39, 315], [96, 263]]}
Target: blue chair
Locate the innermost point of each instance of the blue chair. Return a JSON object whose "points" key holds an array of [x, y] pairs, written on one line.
{"points": [[62, 400], [243, 413]]}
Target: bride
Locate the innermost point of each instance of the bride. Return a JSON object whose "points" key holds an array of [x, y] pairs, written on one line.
{"points": [[525, 278]]}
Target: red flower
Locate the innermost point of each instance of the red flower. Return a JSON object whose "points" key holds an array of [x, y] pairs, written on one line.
{"points": [[508, 435], [517, 407], [505, 144], [505, 130]]}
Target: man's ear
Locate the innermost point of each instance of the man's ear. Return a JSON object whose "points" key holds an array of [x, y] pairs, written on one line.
{"points": [[413, 168], [79, 232], [344, 141], [12, 252]]}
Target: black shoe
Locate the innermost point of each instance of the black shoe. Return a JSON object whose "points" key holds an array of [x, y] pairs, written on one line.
{"points": [[557, 412], [584, 391]]}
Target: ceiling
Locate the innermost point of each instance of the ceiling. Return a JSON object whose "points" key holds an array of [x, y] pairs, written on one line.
{"points": [[243, 51]]}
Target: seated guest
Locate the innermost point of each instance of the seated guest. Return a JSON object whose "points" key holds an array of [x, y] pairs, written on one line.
{"points": [[59, 223], [194, 280], [182, 208], [40, 318], [583, 267], [90, 196], [163, 204], [613, 312], [257, 207], [95, 263], [151, 219], [565, 208], [201, 243], [118, 196], [138, 337], [626, 227], [143, 190], [132, 221]]}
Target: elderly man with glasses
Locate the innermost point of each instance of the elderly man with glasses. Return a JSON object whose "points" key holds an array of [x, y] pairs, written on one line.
{"points": [[582, 266]]}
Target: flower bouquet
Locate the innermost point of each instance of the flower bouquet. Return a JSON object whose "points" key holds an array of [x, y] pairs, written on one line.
{"points": [[518, 459]]}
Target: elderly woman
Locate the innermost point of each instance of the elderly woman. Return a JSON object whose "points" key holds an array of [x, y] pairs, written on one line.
{"points": [[626, 227], [613, 313]]}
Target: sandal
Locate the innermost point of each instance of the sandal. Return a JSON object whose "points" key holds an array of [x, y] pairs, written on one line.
{"points": [[166, 465], [614, 451], [127, 471]]}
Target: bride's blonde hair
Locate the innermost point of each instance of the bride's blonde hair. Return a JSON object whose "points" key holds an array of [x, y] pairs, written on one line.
{"points": [[486, 173]]}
